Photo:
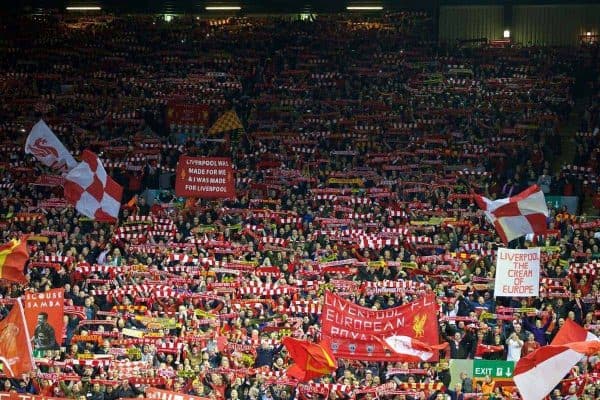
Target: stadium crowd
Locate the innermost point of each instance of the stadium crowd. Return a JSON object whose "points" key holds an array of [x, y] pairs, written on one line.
{"points": [[362, 141]]}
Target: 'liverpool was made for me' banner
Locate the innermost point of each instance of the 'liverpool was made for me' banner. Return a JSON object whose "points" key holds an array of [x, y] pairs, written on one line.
{"points": [[205, 177]]}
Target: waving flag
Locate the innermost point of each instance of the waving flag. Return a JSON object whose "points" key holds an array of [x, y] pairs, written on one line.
{"points": [[229, 121], [412, 349], [311, 360], [15, 344], [572, 332], [539, 372], [93, 193], [516, 216], [48, 150], [13, 257]]}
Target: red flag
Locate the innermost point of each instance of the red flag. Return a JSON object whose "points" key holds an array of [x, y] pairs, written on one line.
{"points": [[518, 215], [311, 360], [539, 372], [13, 257], [572, 332], [93, 193], [15, 344]]}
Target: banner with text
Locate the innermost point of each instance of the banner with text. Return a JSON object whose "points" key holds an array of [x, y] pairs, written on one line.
{"points": [[188, 114], [26, 396], [50, 180], [517, 273], [205, 177], [44, 316], [497, 369], [159, 394], [360, 333]]}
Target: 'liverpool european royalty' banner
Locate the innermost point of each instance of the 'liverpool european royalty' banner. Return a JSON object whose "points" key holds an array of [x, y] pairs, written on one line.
{"points": [[517, 273], [205, 177], [360, 333]]}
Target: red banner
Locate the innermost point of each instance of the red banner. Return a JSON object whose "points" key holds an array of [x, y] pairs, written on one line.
{"points": [[205, 177], [44, 316], [53, 203], [49, 180], [188, 114], [26, 396], [159, 394], [359, 333]]}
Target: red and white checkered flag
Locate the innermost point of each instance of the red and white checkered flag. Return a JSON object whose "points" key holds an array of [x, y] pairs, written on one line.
{"points": [[93, 193], [516, 216]]}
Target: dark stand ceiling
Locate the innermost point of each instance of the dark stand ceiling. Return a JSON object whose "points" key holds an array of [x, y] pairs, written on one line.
{"points": [[250, 6]]}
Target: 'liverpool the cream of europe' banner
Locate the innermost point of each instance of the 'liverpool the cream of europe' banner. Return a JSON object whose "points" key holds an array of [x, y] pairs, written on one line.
{"points": [[517, 273]]}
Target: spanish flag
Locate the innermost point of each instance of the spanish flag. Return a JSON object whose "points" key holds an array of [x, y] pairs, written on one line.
{"points": [[13, 256], [311, 360]]}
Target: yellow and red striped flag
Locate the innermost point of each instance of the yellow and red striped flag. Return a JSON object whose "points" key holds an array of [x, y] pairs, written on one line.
{"points": [[13, 257]]}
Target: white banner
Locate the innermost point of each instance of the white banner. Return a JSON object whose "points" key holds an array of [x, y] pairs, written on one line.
{"points": [[517, 273], [48, 150]]}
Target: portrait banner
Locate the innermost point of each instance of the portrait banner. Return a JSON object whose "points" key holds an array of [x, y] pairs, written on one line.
{"points": [[44, 315]]}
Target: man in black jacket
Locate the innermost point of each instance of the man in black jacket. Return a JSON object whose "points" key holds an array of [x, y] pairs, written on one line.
{"points": [[43, 334], [96, 393], [266, 354], [460, 344], [127, 391]]}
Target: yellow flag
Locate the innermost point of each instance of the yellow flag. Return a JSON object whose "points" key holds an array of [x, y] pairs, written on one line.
{"points": [[226, 122]]}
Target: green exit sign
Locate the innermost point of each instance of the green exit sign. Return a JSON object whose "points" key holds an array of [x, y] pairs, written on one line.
{"points": [[496, 369]]}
